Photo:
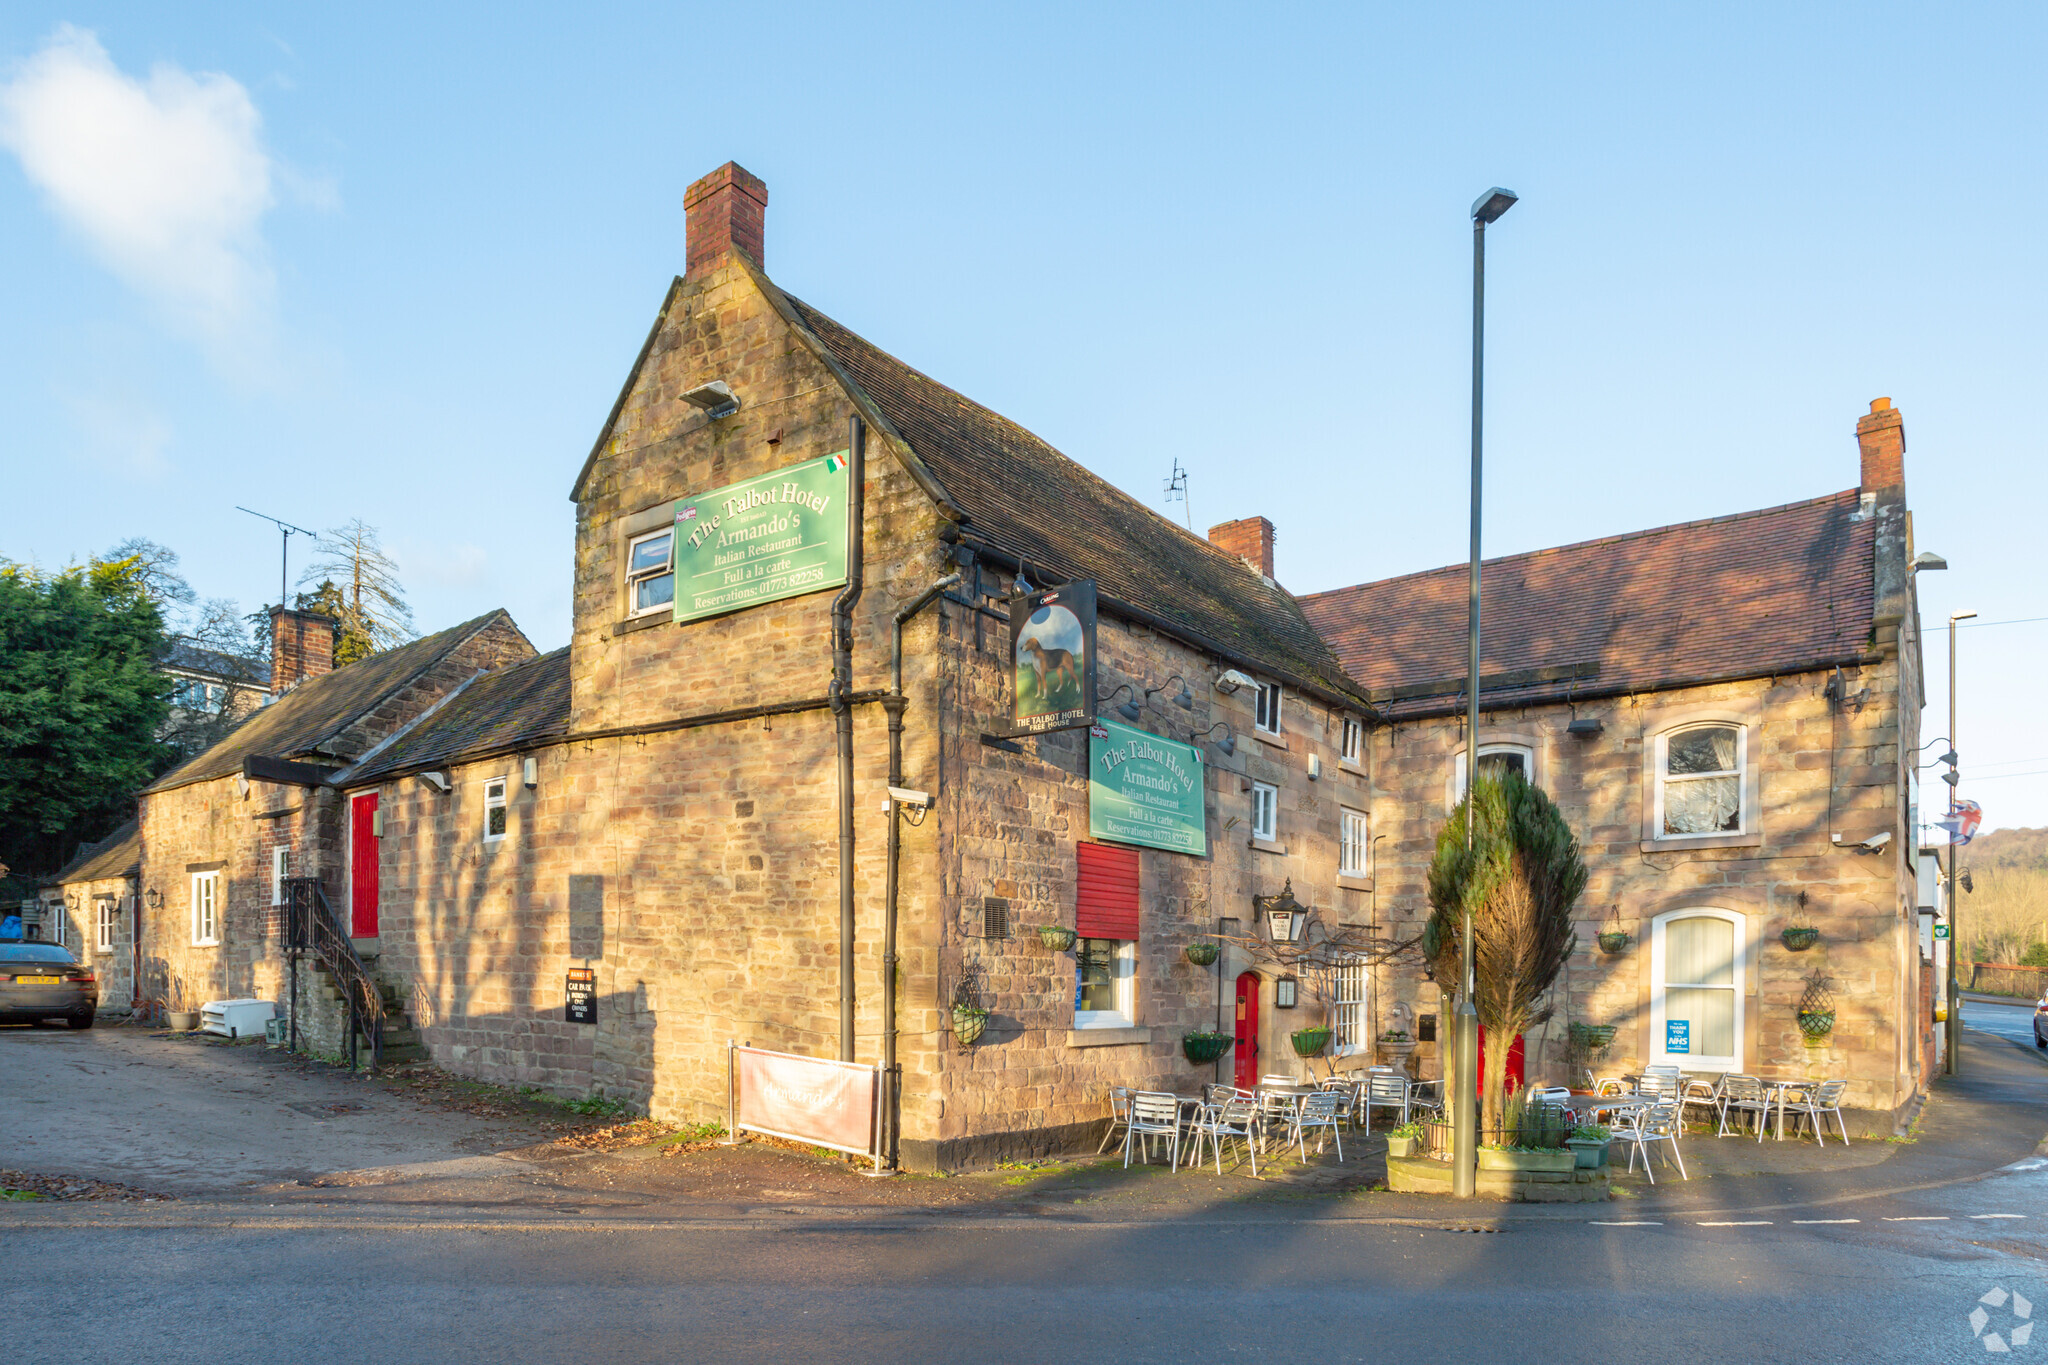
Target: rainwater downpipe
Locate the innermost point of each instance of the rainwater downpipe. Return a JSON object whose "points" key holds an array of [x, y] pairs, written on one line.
{"points": [[841, 695], [894, 704]]}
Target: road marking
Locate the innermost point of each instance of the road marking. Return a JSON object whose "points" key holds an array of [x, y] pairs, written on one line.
{"points": [[1808, 1221], [1598, 1224], [2034, 1165], [1998, 1215], [1752, 1223], [1921, 1218]]}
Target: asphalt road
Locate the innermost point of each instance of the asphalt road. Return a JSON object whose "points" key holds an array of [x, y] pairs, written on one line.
{"points": [[2007, 1021]]}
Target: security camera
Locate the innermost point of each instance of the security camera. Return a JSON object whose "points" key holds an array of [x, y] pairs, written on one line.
{"points": [[1230, 680], [909, 798], [1874, 844]]}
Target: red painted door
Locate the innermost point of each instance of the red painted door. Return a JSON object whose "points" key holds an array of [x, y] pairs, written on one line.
{"points": [[362, 867], [1247, 1037], [1516, 1060]]}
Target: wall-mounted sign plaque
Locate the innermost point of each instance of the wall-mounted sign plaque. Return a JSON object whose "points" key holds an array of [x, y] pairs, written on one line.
{"points": [[776, 536], [580, 996], [1146, 790]]}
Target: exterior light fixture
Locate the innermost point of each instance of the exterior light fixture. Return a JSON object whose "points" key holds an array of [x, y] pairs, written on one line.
{"points": [[1185, 700], [438, 781], [1128, 709], [153, 898], [1586, 727], [1286, 917], [1229, 680], [1927, 560], [1228, 744], [716, 398], [529, 772], [1488, 207]]}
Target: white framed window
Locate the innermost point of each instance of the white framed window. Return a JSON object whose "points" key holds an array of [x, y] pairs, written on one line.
{"points": [[1700, 772], [1496, 760], [1348, 1013], [206, 909], [1266, 708], [650, 572], [1696, 990], [1105, 983], [55, 921], [1352, 746], [1351, 843], [494, 809], [280, 868], [105, 916], [1265, 811]]}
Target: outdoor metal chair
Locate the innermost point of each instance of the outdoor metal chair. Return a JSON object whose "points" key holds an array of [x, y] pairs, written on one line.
{"points": [[1663, 1084], [1275, 1078], [1742, 1095], [1608, 1085], [1700, 1093], [1154, 1113], [1236, 1118], [1658, 1123], [1427, 1096], [1276, 1114], [1346, 1088], [1821, 1100], [1119, 1115], [1317, 1111], [1385, 1090]]}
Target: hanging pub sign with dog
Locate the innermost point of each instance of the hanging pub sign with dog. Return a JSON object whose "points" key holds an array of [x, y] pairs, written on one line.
{"points": [[776, 536], [1052, 637]]}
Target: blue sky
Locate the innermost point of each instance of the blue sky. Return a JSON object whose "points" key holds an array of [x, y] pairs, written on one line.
{"points": [[393, 264]]}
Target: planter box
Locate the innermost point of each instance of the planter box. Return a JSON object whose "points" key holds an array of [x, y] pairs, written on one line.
{"points": [[1401, 1146], [1419, 1175], [1527, 1162], [1591, 1155], [183, 1021]]}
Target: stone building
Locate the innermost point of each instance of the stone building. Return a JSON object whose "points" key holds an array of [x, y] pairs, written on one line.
{"points": [[88, 905], [1728, 714]]}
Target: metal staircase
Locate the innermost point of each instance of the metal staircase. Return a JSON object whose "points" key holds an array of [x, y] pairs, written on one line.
{"points": [[309, 929]]}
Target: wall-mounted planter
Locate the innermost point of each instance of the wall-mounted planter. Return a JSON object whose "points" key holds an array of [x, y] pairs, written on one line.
{"points": [[1800, 937], [1202, 1048], [1816, 1025], [968, 1025], [1057, 937], [1612, 941], [1202, 954], [1309, 1042]]}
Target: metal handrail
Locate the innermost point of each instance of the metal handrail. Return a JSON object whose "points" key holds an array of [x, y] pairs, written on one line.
{"points": [[309, 925]]}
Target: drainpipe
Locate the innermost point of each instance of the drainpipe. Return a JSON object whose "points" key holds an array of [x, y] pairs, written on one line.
{"points": [[894, 704], [842, 709]]}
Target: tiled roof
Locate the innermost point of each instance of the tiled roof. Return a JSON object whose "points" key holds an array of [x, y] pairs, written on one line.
{"points": [[320, 708], [515, 707], [117, 855], [1775, 591], [1030, 502], [192, 658]]}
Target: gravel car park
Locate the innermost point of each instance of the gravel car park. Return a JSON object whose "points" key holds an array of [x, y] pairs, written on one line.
{"points": [[43, 981]]}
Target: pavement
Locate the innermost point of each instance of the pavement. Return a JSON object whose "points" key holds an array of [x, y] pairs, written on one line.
{"points": [[765, 1253]]}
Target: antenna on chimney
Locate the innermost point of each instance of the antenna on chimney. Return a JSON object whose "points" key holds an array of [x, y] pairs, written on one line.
{"points": [[1177, 491], [285, 554]]}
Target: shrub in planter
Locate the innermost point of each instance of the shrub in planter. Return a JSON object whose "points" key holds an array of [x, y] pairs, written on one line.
{"points": [[1589, 1144], [1404, 1141], [1308, 1042], [1800, 937], [968, 1024], [1612, 941], [1057, 937], [1202, 1048], [1816, 1024], [1202, 954]]}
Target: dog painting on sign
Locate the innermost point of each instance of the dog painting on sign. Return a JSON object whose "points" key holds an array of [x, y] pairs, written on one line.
{"points": [[1052, 663]]}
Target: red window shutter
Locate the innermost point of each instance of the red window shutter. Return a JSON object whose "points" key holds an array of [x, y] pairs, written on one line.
{"points": [[1108, 902]]}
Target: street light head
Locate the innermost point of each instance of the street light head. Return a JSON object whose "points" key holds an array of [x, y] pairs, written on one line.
{"points": [[1490, 206], [1927, 561], [1960, 616]]}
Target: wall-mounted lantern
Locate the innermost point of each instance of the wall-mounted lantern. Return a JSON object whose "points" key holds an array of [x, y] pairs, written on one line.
{"points": [[1286, 917]]}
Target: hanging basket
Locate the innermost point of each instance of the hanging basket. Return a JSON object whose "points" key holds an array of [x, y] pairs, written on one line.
{"points": [[1203, 1048], [1816, 1024], [968, 1025], [1612, 941], [1800, 938], [1592, 1037], [1202, 954], [1309, 1042], [1057, 937]]}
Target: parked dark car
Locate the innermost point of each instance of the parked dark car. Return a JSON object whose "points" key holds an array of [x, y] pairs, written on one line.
{"points": [[41, 981]]}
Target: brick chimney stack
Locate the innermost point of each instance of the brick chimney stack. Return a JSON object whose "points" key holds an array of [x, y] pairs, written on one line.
{"points": [[301, 647], [1881, 437], [722, 211], [1250, 539]]}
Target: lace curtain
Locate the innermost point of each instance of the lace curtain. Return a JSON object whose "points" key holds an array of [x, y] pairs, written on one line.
{"points": [[1702, 788]]}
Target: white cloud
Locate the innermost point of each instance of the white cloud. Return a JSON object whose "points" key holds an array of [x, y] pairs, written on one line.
{"points": [[167, 179]]}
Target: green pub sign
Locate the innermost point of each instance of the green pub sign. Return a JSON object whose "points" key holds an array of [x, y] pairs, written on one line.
{"points": [[1146, 790], [761, 540]]}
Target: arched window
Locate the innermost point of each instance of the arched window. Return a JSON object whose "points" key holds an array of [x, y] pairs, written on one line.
{"points": [[1696, 990], [1700, 772], [1495, 760]]}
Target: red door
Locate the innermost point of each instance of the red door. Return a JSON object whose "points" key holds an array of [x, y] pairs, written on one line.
{"points": [[1247, 1044], [1516, 1060], [362, 867]]}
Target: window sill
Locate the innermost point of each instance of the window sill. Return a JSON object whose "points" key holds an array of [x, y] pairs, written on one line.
{"points": [[647, 622], [1268, 737], [1267, 846], [1348, 882], [206, 943], [1747, 839], [1107, 1037], [1345, 765]]}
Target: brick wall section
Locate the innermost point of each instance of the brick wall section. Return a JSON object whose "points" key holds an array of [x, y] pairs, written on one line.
{"points": [[1250, 539], [1881, 441], [724, 210], [301, 647]]}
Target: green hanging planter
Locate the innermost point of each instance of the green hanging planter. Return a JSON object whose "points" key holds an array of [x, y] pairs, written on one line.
{"points": [[1202, 1048], [1057, 937], [1309, 1042], [1800, 937], [968, 1024], [1816, 1024], [1203, 954], [1612, 941]]}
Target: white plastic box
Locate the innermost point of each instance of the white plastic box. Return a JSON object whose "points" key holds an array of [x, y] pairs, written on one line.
{"points": [[236, 1018]]}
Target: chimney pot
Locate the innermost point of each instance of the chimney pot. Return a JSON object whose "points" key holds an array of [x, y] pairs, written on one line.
{"points": [[1250, 539], [1881, 440], [723, 211]]}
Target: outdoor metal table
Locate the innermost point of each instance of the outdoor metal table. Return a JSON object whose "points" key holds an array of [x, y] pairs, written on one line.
{"points": [[1776, 1096], [1614, 1104]]}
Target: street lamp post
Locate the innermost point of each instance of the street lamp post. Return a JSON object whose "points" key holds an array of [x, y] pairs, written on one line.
{"points": [[1951, 1063], [1465, 1115]]}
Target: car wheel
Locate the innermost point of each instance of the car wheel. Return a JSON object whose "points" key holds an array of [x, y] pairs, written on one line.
{"points": [[79, 1021]]}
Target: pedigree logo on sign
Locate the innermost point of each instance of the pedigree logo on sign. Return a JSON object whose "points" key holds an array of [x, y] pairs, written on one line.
{"points": [[759, 541]]}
